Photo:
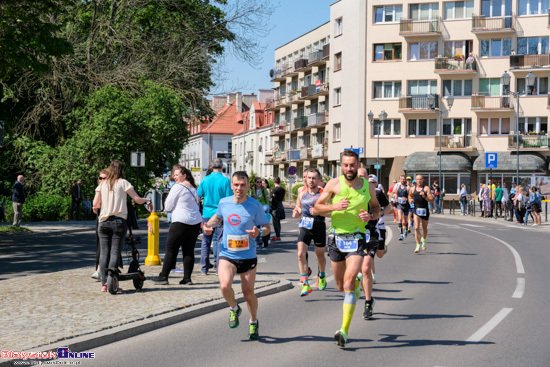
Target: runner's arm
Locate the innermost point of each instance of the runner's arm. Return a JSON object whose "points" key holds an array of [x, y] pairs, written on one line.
{"points": [[429, 195], [212, 223], [322, 207], [298, 209], [374, 204]]}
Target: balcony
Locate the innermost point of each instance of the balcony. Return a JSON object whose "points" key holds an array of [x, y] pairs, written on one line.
{"points": [[491, 104], [418, 103], [279, 156], [316, 119], [315, 58], [295, 98], [277, 74], [454, 143], [313, 91], [326, 50], [290, 71], [486, 25], [417, 28], [531, 142], [518, 62], [295, 155], [445, 65], [299, 123], [281, 101], [301, 65], [319, 151], [280, 128], [305, 153], [269, 160]]}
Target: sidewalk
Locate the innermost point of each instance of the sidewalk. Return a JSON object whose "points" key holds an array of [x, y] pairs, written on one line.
{"points": [[67, 308]]}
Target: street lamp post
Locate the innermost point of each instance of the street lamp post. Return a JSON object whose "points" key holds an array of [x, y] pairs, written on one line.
{"points": [[381, 117], [505, 79], [244, 143], [431, 103]]}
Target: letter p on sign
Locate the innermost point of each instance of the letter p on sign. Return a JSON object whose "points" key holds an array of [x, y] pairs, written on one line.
{"points": [[491, 160]]}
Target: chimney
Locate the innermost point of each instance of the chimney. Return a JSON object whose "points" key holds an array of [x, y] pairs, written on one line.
{"points": [[239, 102]]}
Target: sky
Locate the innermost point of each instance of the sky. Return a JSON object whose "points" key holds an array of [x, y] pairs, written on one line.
{"points": [[291, 19]]}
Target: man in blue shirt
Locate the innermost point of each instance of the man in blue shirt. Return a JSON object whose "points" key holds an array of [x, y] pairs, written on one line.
{"points": [[243, 218], [18, 199], [212, 189]]}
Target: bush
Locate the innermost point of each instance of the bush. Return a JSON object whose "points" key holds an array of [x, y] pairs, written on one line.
{"points": [[295, 189], [42, 207]]}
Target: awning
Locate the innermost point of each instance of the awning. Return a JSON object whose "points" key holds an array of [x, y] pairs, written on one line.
{"points": [[506, 161], [429, 161]]}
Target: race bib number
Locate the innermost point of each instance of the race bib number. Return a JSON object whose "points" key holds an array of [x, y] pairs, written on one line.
{"points": [[306, 222], [421, 212], [401, 200], [412, 205], [347, 243], [237, 243]]}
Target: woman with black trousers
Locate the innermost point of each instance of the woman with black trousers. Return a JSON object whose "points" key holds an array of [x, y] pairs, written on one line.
{"points": [[183, 202]]}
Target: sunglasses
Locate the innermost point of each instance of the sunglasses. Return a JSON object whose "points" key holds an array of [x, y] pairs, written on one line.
{"points": [[101, 178]]}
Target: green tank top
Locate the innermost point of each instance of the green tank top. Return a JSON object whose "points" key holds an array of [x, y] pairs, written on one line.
{"points": [[348, 221]]}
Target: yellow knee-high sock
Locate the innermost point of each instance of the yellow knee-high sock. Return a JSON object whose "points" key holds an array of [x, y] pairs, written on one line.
{"points": [[349, 308]]}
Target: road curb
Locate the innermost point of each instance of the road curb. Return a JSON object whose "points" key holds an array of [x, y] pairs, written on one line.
{"points": [[100, 338]]}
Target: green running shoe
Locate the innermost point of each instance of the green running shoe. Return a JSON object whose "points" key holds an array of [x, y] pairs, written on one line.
{"points": [[358, 285], [424, 244], [234, 317], [321, 283], [341, 338], [417, 250], [253, 331], [306, 289]]}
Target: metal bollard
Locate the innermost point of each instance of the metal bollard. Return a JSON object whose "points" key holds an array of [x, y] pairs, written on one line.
{"points": [[153, 229]]}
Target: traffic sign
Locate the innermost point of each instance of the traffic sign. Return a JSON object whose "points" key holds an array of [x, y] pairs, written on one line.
{"points": [[491, 160], [195, 169], [377, 166], [359, 151], [137, 159], [292, 170], [292, 179]]}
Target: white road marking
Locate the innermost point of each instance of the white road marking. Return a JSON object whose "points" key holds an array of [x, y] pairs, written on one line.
{"points": [[488, 327], [520, 288], [284, 221], [389, 234], [262, 260], [517, 258], [330, 279], [293, 230], [472, 225]]}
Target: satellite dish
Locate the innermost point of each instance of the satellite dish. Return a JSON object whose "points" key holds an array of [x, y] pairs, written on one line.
{"points": [[259, 148], [271, 73]]}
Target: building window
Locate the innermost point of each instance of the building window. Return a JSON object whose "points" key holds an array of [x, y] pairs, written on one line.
{"points": [[387, 51], [338, 61], [540, 87], [496, 47], [424, 11], [457, 88], [422, 51], [391, 127], [337, 96], [422, 127], [453, 127], [422, 87], [229, 147], [489, 87], [533, 125], [458, 9], [532, 45], [457, 48], [337, 133], [532, 7], [496, 8], [386, 90], [338, 24], [388, 14], [494, 126]]}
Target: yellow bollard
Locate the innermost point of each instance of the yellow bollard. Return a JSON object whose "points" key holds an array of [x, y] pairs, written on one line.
{"points": [[153, 240]]}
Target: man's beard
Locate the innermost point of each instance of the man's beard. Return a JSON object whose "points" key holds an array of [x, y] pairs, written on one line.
{"points": [[353, 176]]}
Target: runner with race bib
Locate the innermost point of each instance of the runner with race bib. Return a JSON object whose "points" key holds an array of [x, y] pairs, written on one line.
{"points": [[420, 196]]}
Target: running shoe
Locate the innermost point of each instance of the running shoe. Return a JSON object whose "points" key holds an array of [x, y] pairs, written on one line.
{"points": [[306, 289], [358, 285], [253, 331], [234, 317], [321, 283], [406, 233], [367, 313], [104, 288], [424, 244], [341, 338], [401, 237], [417, 249], [409, 230]]}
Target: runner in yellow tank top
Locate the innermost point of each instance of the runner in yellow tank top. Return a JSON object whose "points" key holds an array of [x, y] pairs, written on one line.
{"points": [[350, 196]]}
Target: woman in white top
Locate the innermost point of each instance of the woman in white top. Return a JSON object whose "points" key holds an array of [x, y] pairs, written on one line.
{"points": [[183, 202], [110, 197]]}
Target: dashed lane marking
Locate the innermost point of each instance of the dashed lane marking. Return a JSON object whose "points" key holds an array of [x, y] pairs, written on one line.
{"points": [[520, 288], [489, 326]]}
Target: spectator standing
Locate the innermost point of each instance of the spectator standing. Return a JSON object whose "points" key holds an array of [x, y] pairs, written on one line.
{"points": [[505, 197], [437, 197], [212, 189], [520, 204], [97, 274], [277, 208], [512, 201], [480, 198], [463, 199], [18, 199], [486, 196], [536, 205], [76, 199], [498, 200]]}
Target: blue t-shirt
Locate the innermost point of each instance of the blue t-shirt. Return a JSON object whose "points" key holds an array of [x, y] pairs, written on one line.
{"points": [[213, 188], [237, 218]]}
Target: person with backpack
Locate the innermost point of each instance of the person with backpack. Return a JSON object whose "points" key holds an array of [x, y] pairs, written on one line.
{"points": [[536, 204]]}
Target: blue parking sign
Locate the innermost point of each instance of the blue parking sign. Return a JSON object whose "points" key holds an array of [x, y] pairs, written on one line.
{"points": [[491, 160]]}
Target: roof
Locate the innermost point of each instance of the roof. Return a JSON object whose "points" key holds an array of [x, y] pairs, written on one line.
{"points": [[429, 161], [506, 161], [224, 122], [263, 118]]}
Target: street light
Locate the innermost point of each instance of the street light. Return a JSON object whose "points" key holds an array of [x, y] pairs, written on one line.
{"points": [[431, 103], [381, 117], [505, 79], [244, 141]]}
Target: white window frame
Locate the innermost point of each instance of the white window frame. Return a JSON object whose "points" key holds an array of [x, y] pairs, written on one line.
{"points": [[454, 9], [453, 126], [491, 47], [430, 57], [539, 45], [537, 86], [524, 122], [337, 96], [393, 84], [432, 86], [384, 13], [337, 128], [453, 82], [338, 26], [512, 126], [539, 10], [392, 132], [417, 128]]}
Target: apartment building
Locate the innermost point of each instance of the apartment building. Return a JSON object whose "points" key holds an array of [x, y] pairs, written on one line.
{"points": [[392, 56], [301, 104]]}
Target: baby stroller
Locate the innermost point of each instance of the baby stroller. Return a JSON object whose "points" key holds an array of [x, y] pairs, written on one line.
{"points": [[134, 271]]}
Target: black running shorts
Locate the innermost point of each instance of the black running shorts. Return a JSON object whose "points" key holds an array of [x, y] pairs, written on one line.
{"points": [[242, 266], [318, 233]]}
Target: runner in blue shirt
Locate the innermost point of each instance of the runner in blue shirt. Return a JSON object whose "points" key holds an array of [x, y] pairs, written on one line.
{"points": [[243, 217]]}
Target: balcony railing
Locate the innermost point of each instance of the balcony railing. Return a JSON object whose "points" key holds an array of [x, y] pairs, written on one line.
{"points": [[528, 141], [300, 64], [315, 57], [454, 142], [278, 72], [491, 103], [419, 27], [299, 123], [317, 118], [280, 128], [530, 61], [419, 102], [319, 151], [279, 156], [326, 50], [295, 154], [289, 71], [305, 153], [482, 23], [454, 66]]}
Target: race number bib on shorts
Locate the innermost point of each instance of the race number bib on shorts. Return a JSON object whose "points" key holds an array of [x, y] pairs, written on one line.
{"points": [[306, 222], [237, 243], [421, 212], [347, 242], [401, 201]]}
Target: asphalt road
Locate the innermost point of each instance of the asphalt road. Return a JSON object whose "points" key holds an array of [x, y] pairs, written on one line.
{"points": [[477, 297]]}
